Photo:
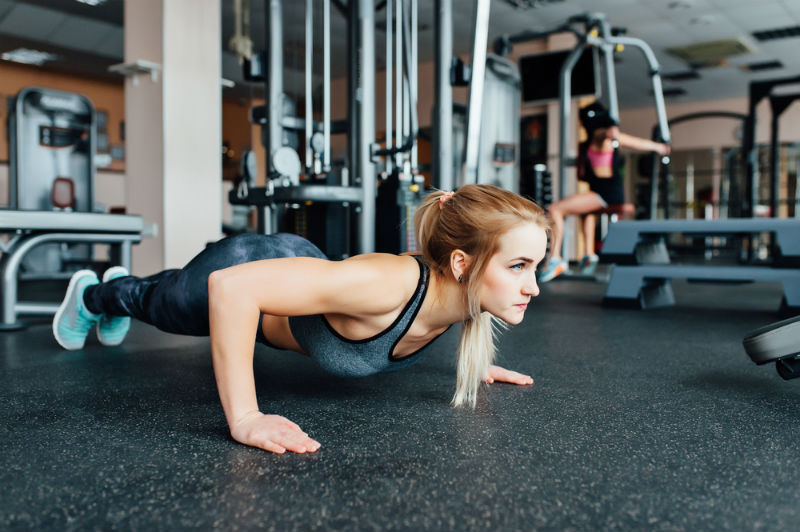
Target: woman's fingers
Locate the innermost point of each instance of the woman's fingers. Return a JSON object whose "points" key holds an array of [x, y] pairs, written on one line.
{"points": [[272, 447], [496, 373], [273, 433]]}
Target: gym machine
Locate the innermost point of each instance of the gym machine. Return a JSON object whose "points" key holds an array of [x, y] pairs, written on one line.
{"points": [[656, 197], [725, 192], [758, 91], [591, 29], [50, 220], [52, 137], [350, 191], [497, 152], [283, 199], [375, 176]]}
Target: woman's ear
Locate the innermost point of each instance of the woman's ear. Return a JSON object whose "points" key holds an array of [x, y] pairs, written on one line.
{"points": [[459, 264]]}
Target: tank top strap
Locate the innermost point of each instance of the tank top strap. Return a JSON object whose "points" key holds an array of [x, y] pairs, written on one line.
{"points": [[403, 321]]}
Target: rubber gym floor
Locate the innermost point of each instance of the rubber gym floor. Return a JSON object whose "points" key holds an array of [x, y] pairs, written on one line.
{"points": [[638, 420]]}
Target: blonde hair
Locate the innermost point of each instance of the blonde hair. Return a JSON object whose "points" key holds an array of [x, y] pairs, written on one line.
{"points": [[472, 220]]}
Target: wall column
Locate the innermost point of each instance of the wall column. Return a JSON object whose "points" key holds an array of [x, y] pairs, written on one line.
{"points": [[174, 128]]}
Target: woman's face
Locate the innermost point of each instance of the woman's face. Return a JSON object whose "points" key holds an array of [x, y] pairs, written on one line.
{"points": [[605, 133], [510, 278]]}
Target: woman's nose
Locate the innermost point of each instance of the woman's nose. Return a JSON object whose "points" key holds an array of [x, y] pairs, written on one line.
{"points": [[531, 287]]}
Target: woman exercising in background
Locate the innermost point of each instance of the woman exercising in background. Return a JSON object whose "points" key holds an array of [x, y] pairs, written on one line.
{"points": [[363, 315], [599, 165]]}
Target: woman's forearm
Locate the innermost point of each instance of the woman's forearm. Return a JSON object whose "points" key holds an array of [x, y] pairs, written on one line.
{"points": [[641, 144], [233, 319]]}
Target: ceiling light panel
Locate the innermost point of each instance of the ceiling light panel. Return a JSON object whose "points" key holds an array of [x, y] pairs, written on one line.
{"points": [[28, 57]]}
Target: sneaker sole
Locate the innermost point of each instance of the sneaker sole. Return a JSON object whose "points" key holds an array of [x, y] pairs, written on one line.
{"points": [[589, 269], [63, 306], [561, 268], [109, 273]]}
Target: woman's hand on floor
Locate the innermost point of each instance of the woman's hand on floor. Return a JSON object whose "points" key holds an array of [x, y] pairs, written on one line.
{"points": [[272, 433], [496, 373]]}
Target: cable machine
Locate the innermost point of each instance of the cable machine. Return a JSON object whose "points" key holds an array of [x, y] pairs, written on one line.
{"points": [[591, 29]]}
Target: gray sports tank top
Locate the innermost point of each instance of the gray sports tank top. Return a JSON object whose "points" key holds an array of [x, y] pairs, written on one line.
{"points": [[359, 358]]}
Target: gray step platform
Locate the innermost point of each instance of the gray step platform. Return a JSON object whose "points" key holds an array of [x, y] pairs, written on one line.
{"points": [[623, 237], [647, 285], [643, 271]]}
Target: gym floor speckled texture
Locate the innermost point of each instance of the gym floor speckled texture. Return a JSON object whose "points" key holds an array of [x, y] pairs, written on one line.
{"points": [[638, 420]]}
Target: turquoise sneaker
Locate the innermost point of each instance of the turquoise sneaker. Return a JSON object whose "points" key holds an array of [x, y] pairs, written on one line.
{"points": [[555, 267], [589, 264], [73, 320], [111, 330]]}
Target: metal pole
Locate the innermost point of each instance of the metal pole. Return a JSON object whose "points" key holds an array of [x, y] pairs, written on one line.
{"points": [[367, 124], [413, 73], [565, 96], [326, 84], [353, 96], [443, 97], [309, 113], [480, 33], [274, 79], [654, 182], [398, 84], [609, 70], [565, 100], [773, 162], [655, 77], [389, 39]]}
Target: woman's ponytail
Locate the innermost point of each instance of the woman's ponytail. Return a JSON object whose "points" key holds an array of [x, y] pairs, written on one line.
{"points": [[471, 220]]}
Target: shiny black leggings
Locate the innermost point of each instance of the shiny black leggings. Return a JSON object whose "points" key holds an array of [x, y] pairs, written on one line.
{"points": [[176, 301]]}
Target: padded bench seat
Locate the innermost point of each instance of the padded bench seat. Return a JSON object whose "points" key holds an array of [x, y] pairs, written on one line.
{"points": [[620, 209]]}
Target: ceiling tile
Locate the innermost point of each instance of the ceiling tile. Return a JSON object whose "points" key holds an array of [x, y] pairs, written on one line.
{"points": [[5, 7], [31, 22], [113, 45], [711, 28], [758, 16], [80, 33], [661, 34], [723, 5]]}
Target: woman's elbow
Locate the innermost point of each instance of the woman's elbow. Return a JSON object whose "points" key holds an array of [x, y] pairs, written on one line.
{"points": [[220, 285]]}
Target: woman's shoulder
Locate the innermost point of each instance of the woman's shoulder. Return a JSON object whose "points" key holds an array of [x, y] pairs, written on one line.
{"points": [[393, 277], [396, 269]]}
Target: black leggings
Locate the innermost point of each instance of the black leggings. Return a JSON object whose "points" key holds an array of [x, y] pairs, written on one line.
{"points": [[176, 301]]}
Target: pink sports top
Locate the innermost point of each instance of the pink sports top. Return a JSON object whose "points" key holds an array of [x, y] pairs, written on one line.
{"points": [[599, 159]]}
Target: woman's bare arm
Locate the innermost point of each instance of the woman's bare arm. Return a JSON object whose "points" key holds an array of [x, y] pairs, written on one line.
{"points": [[642, 144], [281, 287]]}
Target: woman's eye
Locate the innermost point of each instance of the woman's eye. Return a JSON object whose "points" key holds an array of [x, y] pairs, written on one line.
{"points": [[518, 267]]}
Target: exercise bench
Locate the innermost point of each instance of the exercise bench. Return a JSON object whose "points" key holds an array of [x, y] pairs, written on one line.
{"points": [[32, 228]]}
